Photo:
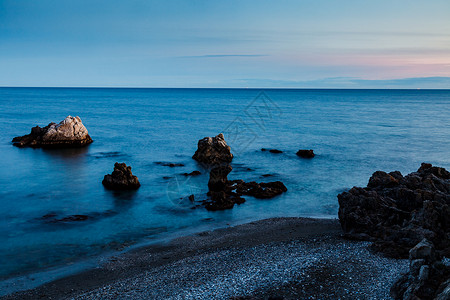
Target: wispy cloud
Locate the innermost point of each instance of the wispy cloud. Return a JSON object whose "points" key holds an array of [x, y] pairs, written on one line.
{"points": [[223, 55], [347, 82]]}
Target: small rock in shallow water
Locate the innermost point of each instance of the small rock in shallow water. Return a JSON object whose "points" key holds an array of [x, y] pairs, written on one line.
{"points": [[275, 151], [193, 173], [121, 178], [306, 153], [166, 164]]}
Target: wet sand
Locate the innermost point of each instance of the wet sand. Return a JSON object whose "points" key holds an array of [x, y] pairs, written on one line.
{"points": [[285, 258]]}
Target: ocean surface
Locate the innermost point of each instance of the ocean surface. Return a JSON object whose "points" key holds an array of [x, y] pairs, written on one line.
{"points": [[353, 133]]}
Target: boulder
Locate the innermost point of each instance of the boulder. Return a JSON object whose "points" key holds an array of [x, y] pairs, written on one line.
{"points": [[306, 153], [224, 193], [428, 277], [218, 178], [121, 178], [68, 133], [396, 212], [213, 151]]}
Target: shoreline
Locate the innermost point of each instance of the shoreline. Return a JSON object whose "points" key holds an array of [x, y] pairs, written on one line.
{"points": [[253, 242]]}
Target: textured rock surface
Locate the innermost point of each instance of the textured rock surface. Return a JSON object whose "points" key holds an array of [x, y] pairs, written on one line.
{"points": [[225, 193], [397, 212], [306, 153], [213, 151], [427, 278], [68, 133], [121, 178]]}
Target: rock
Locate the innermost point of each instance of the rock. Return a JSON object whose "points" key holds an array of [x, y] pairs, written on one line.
{"points": [[213, 151], [428, 276], [218, 178], [396, 212], [121, 178], [193, 173], [306, 153], [275, 151], [225, 193], [166, 164], [263, 190], [444, 291], [68, 133]]}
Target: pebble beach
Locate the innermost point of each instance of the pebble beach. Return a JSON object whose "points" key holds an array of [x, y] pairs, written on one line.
{"points": [[281, 258]]}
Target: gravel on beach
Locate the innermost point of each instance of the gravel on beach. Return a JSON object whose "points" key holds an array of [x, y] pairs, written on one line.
{"points": [[282, 258]]}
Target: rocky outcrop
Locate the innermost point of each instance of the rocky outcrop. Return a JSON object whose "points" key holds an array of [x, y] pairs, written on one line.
{"points": [[306, 153], [226, 193], [428, 277], [213, 151], [68, 133], [396, 212], [121, 178]]}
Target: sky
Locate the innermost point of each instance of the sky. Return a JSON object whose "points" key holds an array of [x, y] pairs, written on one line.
{"points": [[209, 43]]}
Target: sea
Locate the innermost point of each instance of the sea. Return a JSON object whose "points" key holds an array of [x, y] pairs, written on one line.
{"points": [[353, 133]]}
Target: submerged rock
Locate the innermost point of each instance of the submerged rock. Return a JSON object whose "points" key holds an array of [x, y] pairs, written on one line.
{"points": [[121, 178], [226, 193], [275, 151], [68, 133], [166, 164], [213, 151], [428, 277], [306, 153], [193, 173], [397, 212]]}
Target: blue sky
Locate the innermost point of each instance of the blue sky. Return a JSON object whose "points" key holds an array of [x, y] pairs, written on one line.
{"points": [[231, 43]]}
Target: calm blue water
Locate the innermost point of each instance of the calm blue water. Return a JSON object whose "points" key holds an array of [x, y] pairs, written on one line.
{"points": [[353, 132]]}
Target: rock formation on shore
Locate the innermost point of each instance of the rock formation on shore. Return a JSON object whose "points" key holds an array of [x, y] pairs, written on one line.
{"points": [[396, 212], [121, 178], [428, 277], [225, 193], [68, 133], [306, 153], [213, 151]]}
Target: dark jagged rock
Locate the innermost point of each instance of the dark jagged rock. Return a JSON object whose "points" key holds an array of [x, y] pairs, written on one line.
{"points": [[428, 277], [263, 190], [121, 178], [213, 151], [68, 133], [226, 193], [193, 173], [218, 180], [396, 212], [306, 153], [275, 151]]}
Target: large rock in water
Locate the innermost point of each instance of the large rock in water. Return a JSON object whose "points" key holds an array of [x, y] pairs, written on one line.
{"points": [[213, 151], [121, 178], [397, 212], [226, 193], [428, 277], [68, 133]]}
